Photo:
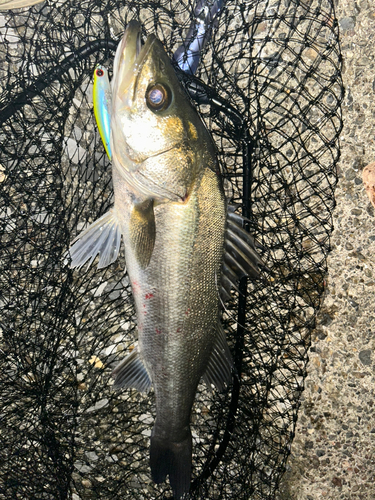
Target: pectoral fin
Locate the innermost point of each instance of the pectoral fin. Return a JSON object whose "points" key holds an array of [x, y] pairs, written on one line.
{"points": [[131, 372], [218, 371], [142, 231], [103, 237]]}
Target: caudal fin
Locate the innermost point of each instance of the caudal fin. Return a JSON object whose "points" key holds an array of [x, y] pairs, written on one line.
{"points": [[173, 459]]}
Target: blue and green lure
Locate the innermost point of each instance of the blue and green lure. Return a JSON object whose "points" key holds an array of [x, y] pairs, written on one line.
{"points": [[102, 97]]}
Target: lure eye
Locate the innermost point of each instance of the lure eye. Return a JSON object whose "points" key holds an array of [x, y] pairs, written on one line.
{"points": [[158, 97], [99, 72]]}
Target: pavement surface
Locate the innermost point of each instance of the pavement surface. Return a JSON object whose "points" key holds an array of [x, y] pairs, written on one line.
{"points": [[333, 452]]}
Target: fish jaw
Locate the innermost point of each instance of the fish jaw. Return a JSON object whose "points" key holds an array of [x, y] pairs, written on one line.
{"points": [[126, 56]]}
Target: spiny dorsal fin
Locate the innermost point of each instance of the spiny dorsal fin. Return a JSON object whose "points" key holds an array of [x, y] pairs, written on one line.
{"points": [[219, 368], [142, 231], [240, 256], [103, 237], [131, 372]]}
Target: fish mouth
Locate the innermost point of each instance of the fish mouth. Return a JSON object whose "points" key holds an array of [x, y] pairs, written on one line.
{"points": [[129, 59]]}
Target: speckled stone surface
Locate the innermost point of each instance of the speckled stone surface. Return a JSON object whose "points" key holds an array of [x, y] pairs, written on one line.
{"points": [[333, 454]]}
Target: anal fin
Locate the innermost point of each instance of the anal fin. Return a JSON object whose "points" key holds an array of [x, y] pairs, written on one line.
{"points": [[131, 372], [219, 368], [103, 237]]}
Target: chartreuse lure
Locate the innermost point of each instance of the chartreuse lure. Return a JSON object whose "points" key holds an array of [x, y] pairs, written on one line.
{"points": [[102, 96]]}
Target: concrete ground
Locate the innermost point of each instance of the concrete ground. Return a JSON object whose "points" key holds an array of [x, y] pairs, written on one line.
{"points": [[333, 454]]}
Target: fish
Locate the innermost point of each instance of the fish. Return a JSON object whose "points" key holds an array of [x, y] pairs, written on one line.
{"points": [[185, 247]]}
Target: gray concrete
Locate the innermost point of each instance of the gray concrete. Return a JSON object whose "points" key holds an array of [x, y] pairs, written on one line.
{"points": [[333, 452]]}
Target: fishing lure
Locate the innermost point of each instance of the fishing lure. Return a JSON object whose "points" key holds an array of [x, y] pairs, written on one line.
{"points": [[102, 97]]}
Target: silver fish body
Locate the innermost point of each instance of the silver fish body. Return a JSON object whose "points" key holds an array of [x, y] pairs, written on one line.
{"points": [[171, 212], [177, 313]]}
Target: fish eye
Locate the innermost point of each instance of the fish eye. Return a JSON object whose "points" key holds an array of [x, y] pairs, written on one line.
{"points": [[99, 72], [158, 97]]}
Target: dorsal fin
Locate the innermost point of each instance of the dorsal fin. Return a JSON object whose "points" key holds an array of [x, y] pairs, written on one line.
{"points": [[240, 257]]}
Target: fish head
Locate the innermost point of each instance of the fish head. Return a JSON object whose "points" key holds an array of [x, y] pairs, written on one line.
{"points": [[157, 135]]}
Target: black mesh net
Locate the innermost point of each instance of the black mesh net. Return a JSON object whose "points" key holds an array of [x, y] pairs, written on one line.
{"points": [[270, 96]]}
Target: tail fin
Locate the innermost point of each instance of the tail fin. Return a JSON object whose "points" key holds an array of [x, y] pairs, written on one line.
{"points": [[174, 459]]}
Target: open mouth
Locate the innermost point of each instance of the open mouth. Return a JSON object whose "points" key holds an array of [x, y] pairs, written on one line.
{"points": [[130, 55], [130, 46]]}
